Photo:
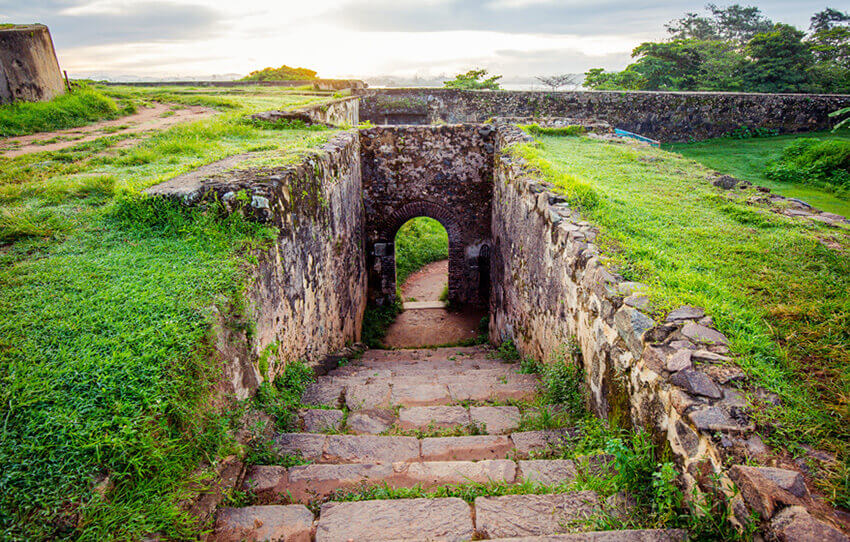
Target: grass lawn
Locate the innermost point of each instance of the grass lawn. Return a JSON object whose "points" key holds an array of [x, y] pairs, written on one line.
{"points": [[746, 159], [105, 305], [780, 294]]}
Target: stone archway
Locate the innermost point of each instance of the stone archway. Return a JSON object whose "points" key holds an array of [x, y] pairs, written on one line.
{"points": [[386, 279], [442, 172]]}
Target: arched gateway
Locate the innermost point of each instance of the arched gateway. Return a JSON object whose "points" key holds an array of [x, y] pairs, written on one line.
{"points": [[445, 173]]}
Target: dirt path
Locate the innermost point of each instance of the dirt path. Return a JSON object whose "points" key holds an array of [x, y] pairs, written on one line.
{"points": [[429, 327], [428, 283], [157, 117]]}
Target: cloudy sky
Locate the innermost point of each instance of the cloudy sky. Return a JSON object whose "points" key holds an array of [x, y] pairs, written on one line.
{"points": [[182, 38]]}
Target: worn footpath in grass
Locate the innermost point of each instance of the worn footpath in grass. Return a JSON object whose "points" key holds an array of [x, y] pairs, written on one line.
{"points": [[770, 282], [747, 159], [106, 301]]}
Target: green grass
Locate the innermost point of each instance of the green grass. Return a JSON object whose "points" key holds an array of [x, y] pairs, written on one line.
{"points": [[419, 241], [771, 285], [747, 159], [83, 106], [106, 302]]}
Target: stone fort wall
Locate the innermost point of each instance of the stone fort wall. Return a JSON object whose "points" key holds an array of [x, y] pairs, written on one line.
{"points": [[444, 172], [666, 116], [306, 293], [29, 70]]}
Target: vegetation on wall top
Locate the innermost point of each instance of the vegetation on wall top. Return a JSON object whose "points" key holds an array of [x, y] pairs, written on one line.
{"points": [[284, 73], [474, 80]]}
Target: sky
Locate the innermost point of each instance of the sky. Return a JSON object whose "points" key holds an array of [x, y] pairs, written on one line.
{"points": [[339, 38]]}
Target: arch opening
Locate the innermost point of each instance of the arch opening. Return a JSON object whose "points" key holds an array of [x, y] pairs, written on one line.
{"points": [[422, 261]]}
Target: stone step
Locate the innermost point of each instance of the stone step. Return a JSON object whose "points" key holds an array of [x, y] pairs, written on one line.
{"points": [[321, 448], [642, 535], [403, 519], [291, 522], [435, 354], [533, 515], [359, 373], [384, 392], [305, 483], [272, 484], [489, 420]]}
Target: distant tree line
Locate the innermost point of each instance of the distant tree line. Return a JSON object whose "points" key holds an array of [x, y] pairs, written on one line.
{"points": [[284, 73], [738, 49]]}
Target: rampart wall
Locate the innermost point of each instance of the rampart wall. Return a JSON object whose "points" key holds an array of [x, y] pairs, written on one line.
{"points": [[667, 116]]}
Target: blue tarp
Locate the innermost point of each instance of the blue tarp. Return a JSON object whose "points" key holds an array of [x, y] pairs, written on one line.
{"points": [[624, 133]]}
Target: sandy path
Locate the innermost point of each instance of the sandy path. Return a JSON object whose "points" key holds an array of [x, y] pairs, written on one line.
{"points": [[157, 117], [428, 283], [428, 327]]}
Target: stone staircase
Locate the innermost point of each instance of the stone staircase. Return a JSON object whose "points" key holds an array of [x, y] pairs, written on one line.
{"points": [[376, 427]]}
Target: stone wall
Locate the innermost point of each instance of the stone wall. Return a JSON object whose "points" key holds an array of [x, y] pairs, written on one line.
{"points": [[674, 379], [666, 116], [342, 112], [307, 292], [444, 172], [29, 70]]}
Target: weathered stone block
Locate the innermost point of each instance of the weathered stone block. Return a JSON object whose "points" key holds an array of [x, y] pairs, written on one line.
{"points": [[370, 449], [291, 523], [532, 515], [403, 519]]}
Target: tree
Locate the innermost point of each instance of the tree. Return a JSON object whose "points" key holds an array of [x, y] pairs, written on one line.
{"points": [[557, 81], [284, 73], [780, 61], [739, 23], [474, 80], [830, 37], [692, 26], [735, 23]]}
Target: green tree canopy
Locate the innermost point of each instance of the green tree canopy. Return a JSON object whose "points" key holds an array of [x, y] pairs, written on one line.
{"points": [[738, 49], [284, 73], [474, 80]]}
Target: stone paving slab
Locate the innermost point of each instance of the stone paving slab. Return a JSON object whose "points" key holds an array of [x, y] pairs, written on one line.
{"points": [[475, 390], [469, 448], [316, 420], [437, 473], [498, 420], [323, 394], [307, 445], [643, 535], [447, 520], [290, 523], [532, 515], [548, 471], [370, 449], [370, 422], [307, 482], [527, 442], [265, 482], [439, 416], [371, 395], [420, 394]]}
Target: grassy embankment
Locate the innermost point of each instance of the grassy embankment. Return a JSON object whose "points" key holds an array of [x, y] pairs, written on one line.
{"points": [[747, 159], [105, 305], [85, 106], [771, 283]]}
